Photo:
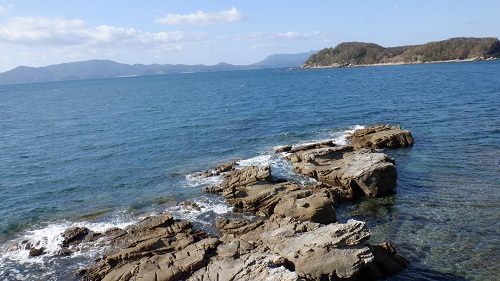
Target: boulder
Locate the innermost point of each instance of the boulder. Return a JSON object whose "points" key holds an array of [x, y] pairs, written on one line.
{"points": [[307, 206], [74, 235], [357, 172], [250, 175], [35, 252], [260, 199], [381, 136], [287, 198]]}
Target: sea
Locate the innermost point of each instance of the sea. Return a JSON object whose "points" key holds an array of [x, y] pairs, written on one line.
{"points": [[107, 152]]}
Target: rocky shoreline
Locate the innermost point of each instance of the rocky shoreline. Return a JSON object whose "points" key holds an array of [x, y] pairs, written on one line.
{"points": [[295, 236]]}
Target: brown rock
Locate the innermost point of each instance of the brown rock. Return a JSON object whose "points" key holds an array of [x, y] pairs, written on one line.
{"points": [[300, 250], [317, 145], [247, 176], [213, 189], [357, 172], [35, 252], [156, 248], [226, 167], [282, 149], [260, 199], [250, 267], [316, 207], [381, 136], [387, 260], [74, 235]]}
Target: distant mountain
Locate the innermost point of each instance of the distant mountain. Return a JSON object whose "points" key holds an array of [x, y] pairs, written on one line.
{"points": [[360, 53], [284, 60], [93, 69]]}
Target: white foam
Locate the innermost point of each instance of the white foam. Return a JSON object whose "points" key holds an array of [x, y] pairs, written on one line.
{"points": [[260, 160], [341, 139], [195, 180], [206, 210], [50, 239]]}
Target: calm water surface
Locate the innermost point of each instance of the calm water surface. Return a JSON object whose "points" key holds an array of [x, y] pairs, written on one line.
{"points": [[101, 152]]}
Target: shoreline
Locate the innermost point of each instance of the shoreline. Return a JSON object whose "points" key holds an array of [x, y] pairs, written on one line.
{"points": [[396, 63]]}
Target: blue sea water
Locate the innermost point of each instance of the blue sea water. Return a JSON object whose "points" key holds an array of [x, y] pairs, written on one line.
{"points": [[100, 153]]}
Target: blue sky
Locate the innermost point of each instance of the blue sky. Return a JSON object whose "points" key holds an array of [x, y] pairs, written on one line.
{"points": [[38, 33]]}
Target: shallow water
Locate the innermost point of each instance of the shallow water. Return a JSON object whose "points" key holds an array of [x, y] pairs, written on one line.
{"points": [[102, 152]]}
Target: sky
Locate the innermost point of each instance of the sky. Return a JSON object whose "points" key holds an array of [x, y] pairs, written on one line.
{"points": [[39, 33]]}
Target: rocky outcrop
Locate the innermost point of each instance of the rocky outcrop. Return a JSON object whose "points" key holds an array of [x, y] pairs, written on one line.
{"points": [[241, 190], [312, 251], [381, 136], [357, 172], [294, 237], [250, 175], [157, 248]]}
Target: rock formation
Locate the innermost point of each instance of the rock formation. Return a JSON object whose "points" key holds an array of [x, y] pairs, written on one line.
{"points": [[294, 237], [381, 136], [357, 172]]}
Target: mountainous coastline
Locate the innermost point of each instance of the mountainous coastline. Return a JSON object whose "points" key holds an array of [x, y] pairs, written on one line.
{"points": [[360, 53], [94, 69]]}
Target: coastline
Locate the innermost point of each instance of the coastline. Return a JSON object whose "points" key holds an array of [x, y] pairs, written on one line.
{"points": [[396, 63]]}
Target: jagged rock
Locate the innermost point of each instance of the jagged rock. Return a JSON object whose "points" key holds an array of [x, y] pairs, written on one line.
{"points": [[251, 267], [74, 235], [316, 145], [310, 250], [381, 136], [157, 246], [282, 149], [35, 252], [226, 167], [213, 189], [190, 205], [286, 198], [247, 176], [387, 261], [260, 199], [65, 252], [236, 227], [358, 172]]}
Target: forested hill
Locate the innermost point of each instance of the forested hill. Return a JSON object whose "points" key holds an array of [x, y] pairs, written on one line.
{"points": [[359, 53]]}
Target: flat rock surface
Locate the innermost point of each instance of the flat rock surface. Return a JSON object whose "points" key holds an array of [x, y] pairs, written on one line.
{"points": [[381, 136], [359, 172]]}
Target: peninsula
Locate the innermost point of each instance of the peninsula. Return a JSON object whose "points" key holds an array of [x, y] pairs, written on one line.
{"points": [[349, 54]]}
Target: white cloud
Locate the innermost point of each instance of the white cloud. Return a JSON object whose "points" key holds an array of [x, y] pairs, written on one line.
{"points": [[41, 31], [280, 36], [201, 18]]}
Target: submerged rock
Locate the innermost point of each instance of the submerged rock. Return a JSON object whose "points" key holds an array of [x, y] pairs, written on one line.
{"points": [[381, 136]]}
